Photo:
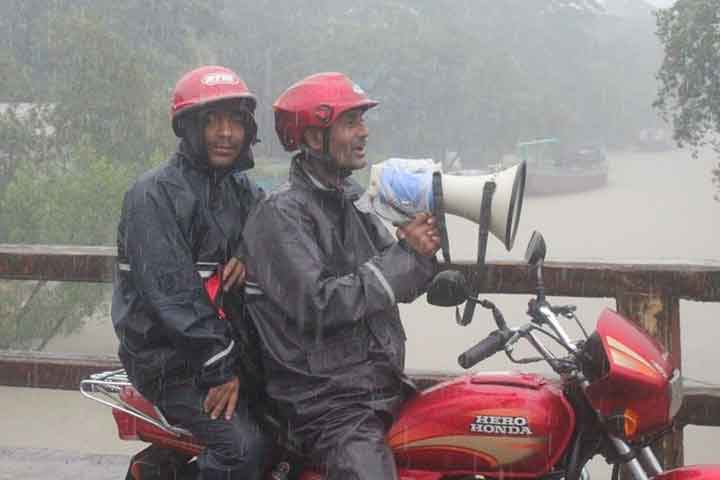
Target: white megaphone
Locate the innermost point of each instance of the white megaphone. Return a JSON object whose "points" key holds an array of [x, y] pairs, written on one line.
{"points": [[463, 195], [400, 188]]}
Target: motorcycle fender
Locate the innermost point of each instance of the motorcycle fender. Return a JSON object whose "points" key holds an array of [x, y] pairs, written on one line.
{"points": [[695, 472]]}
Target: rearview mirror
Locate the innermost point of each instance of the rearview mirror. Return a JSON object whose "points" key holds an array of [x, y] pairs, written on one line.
{"points": [[448, 289], [536, 249]]}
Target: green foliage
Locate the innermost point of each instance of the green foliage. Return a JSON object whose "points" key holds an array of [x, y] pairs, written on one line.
{"points": [[107, 94], [33, 313], [690, 73], [96, 73], [75, 201], [25, 136], [471, 76], [15, 77], [689, 93]]}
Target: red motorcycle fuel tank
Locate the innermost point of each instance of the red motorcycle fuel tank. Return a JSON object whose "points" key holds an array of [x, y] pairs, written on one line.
{"points": [[515, 424]]}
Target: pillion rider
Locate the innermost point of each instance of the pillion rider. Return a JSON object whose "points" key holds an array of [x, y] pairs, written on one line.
{"points": [[177, 221]]}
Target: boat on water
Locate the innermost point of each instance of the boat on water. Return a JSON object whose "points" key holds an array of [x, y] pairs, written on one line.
{"points": [[555, 169]]}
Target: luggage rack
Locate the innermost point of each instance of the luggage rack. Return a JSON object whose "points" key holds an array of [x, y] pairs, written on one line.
{"points": [[107, 387]]}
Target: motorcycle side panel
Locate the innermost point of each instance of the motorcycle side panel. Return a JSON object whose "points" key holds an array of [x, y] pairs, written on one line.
{"points": [[696, 472], [517, 425]]}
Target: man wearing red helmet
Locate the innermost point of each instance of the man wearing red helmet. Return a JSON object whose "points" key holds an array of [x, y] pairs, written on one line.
{"points": [[332, 275], [178, 221]]}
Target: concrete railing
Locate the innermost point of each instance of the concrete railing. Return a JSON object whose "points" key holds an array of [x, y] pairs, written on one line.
{"points": [[649, 294]]}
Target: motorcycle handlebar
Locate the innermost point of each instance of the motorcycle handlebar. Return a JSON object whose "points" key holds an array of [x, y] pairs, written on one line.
{"points": [[486, 348]]}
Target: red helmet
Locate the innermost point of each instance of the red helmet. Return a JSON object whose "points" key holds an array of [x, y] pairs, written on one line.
{"points": [[206, 85], [316, 101]]}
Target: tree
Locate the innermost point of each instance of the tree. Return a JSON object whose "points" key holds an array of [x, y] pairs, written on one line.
{"points": [[76, 201], [25, 136], [470, 75], [105, 93], [689, 92], [67, 157], [15, 77]]}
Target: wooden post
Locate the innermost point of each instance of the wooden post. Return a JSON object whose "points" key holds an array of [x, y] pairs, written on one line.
{"points": [[659, 315]]}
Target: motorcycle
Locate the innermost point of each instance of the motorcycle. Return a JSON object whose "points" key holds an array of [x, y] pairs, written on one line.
{"points": [[616, 393]]}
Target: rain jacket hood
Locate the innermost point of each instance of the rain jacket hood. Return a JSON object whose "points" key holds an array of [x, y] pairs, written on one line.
{"points": [[193, 147]]}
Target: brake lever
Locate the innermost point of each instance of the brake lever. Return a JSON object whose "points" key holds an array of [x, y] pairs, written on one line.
{"points": [[510, 347], [567, 311], [522, 361], [497, 314]]}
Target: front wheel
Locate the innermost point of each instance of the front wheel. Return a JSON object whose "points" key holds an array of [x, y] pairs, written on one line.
{"points": [[159, 463]]}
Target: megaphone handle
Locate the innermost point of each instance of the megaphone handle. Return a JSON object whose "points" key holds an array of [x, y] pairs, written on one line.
{"points": [[439, 214], [484, 226], [467, 315], [483, 230]]}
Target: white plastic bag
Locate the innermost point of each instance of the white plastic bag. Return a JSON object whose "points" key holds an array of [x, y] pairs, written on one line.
{"points": [[400, 188]]}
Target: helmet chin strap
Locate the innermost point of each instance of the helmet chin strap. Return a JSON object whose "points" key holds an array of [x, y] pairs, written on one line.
{"points": [[324, 160]]}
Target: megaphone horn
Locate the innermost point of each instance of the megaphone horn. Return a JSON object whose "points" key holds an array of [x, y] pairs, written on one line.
{"points": [[462, 196]]}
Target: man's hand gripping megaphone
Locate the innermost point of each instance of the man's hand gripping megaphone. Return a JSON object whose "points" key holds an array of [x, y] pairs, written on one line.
{"points": [[420, 234]]}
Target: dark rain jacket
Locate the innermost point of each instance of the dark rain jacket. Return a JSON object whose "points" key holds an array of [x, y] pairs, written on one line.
{"points": [[177, 220], [328, 321]]}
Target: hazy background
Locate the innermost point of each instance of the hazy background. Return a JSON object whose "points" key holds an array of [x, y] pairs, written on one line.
{"points": [[83, 110]]}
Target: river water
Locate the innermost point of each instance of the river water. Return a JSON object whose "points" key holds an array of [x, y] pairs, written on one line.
{"points": [[656, 206]]}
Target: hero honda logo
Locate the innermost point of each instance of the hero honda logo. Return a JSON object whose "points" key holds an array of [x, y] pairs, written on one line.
{"points": [[220, 78], [501, 425]]}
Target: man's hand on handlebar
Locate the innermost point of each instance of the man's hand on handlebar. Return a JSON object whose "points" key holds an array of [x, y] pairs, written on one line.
{"points": [[421, 234], [222, 398], [233, 274]]}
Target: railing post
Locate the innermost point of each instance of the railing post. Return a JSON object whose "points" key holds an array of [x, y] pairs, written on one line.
{"points": [[659, 315]]}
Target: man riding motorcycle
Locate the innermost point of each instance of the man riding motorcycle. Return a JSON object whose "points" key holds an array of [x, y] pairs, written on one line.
{"points": [[333, 345], [178, 221]]}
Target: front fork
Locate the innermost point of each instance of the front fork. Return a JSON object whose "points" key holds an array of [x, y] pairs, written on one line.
{"points": [[648, 458], [647, 462], [640, 465]]}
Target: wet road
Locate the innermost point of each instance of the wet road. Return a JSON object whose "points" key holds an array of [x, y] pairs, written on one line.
{"points": [[37, 464]]}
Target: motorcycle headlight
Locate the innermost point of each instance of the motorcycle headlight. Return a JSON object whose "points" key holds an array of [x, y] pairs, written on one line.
{"points": [[675, 390]]}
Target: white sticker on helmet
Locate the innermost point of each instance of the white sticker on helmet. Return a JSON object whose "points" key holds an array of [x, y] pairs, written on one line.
{"points": [[220, 78]]}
